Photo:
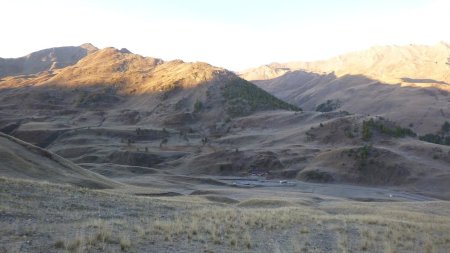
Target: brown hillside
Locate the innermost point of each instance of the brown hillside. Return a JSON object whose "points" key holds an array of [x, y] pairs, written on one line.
{"points": [[409, 84]]}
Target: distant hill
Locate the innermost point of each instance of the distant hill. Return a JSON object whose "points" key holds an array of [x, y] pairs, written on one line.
{"points": [[411, 65], [409, 84], [44, 60]]}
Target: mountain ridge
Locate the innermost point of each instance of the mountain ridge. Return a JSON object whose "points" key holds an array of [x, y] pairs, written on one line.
{"points": [[408, 84], [44, 60], [390, 64]]}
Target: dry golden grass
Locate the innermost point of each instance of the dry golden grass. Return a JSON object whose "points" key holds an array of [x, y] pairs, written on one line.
{"points": [[80, 220]]}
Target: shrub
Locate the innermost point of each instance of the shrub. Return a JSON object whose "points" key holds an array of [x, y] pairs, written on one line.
{"points": [[361, 155], [318, 176], [385, 127], [363, 152], [436, 139], [445, 127], [198, 105], [328, 106], [441, 138], [366, 134], [60, 244]]}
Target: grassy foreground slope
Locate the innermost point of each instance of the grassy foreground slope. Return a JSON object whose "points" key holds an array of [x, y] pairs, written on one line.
{"points": [[23, 160], [84, 220]]}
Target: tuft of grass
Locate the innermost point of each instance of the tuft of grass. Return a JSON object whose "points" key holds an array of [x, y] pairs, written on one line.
{"points": [[103, 235], [60, 244], [247, 239], [140, 231], [124, 242], [74, 245], [304, 230]]}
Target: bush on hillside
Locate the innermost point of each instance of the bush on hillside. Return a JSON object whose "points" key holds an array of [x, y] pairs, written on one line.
{"points": [[328, 106], [384, 127], [442, 138]]}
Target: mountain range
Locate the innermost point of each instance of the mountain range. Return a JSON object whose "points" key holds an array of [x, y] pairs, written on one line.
{"points": [[408, 84], [351, 119]]}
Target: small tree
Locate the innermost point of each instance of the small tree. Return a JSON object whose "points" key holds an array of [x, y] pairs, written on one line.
{"points": [[198, 106], [446, 127], [163, 142], [204, 140], [366, 134]]}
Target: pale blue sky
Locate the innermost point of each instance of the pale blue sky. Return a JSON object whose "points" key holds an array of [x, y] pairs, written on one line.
{"points": [[232, 34]]}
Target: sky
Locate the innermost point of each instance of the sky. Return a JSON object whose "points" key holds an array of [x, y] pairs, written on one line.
{"points": [[234, 34]]}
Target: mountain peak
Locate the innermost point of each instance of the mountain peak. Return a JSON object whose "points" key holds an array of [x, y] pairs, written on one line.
{"points": [[89, 47], [125, 51]]}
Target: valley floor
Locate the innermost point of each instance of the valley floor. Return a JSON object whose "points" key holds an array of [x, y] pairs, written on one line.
{"points": [[43, 217]]}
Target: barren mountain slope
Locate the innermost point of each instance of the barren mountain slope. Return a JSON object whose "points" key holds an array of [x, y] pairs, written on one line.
{"points": [[411, 65], [409, 84]]}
